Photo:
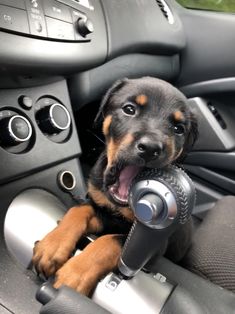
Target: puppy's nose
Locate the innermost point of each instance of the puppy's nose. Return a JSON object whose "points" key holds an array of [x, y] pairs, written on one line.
{"points": [[149, 149]]}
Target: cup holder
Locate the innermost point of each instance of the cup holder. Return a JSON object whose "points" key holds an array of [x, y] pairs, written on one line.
{"points": [[30, 216]]}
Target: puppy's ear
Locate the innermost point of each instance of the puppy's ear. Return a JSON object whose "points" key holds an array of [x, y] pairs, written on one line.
{"points": [[105, 101]]}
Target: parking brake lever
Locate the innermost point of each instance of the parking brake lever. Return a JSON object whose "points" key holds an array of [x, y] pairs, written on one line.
{"points": [[162, 200], [65, 300]]}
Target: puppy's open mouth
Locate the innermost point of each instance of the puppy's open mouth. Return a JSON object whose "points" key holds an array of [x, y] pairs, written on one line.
{"points": [[120, 189]]}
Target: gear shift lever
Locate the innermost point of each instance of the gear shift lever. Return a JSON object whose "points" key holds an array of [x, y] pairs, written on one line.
{"points": [[162, 200]]}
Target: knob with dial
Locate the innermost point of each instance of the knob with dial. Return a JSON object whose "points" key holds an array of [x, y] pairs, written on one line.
{"points": [[84, 26], [53, 119], [14, 130]]}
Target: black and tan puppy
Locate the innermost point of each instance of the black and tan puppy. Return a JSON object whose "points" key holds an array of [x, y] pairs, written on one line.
{"points": [[146, 123]]}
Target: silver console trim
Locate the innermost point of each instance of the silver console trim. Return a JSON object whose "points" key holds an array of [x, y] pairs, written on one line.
{"points": [[35, 212], [30, 216], [141, 294]]}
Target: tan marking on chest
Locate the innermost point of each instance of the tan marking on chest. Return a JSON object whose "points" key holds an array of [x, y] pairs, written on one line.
{"points": [[127, 213], [99, 197]]}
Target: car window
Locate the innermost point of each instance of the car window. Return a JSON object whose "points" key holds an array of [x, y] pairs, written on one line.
{"points": [[213, 5]]}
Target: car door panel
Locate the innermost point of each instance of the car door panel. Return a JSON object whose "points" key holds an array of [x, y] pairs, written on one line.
{"points": [[207, 78]]}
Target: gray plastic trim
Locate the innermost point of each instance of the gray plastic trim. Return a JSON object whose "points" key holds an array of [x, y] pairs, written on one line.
{"points": [[215, 178], [140, 26], [219, 160], [210, 49], [211, 135], [209, 87], [134, 65]]}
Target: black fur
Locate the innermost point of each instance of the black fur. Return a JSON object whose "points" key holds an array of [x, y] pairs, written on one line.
{"points": [[153, 123], [147, 123]]}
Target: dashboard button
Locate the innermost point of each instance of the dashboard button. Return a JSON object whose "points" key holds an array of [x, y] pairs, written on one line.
{"points": [[15, 4], [57, 10], [25, 102], [37, 26], [59, 29], [37, 22], [13, 19]]}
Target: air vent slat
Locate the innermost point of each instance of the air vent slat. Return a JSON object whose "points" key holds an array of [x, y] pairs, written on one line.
{"points": [[166, 11]]}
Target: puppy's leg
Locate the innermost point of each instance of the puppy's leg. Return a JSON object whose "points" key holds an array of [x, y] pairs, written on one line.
{"points": [[83, 272], [56, 247]]}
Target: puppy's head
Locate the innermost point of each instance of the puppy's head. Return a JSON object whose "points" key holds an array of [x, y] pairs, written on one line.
{"points": [[147, 123]]}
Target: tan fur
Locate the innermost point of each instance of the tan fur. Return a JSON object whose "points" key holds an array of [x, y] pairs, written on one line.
{"points": [[170, 147], [99, 197], [82, 272], [127, 213], [106, 125], [54, 250], [178, 116], [141, 100], [114, 147]]}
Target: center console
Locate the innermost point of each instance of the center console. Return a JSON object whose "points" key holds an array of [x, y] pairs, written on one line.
{"points": [[41, 176], [40, 171]]}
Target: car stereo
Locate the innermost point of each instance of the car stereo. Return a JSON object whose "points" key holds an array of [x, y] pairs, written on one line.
{"points": [[49, 19]]}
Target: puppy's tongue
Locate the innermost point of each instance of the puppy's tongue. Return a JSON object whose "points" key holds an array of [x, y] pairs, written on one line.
{"points": [[125, 179]]}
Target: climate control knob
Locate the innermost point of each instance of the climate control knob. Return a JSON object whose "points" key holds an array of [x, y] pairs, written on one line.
{"points": [[14, 130], [53, 119], [85, 26]]}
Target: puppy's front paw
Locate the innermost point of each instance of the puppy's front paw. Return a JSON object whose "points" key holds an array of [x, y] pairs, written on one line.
{"points": [[52, 252], [78, 273], [83, 272]]}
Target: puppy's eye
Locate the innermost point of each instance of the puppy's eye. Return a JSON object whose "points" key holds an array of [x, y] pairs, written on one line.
{"points": [[179, 129], [129, 109]]}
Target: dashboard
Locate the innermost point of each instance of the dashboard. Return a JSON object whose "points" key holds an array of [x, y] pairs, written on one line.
{"points": [[79, 35]]}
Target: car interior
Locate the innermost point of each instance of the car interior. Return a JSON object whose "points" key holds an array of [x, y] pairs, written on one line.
{"points": [[57, 60]]}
